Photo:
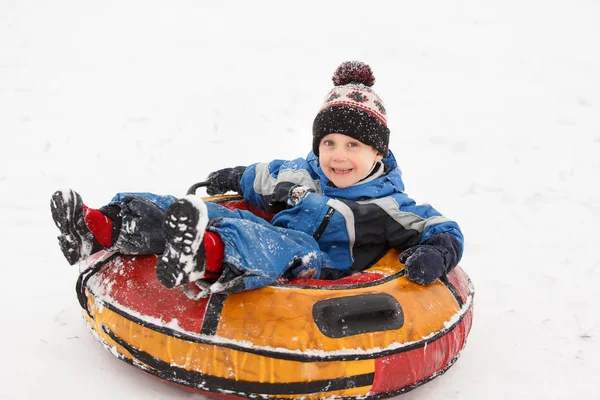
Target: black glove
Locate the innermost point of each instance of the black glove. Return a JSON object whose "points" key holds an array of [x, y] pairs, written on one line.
{"points": [[427, 262], [224, 180]]}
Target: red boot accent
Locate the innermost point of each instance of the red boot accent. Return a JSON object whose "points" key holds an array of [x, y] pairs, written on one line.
{"points": [[99, 224], [214, 250]]}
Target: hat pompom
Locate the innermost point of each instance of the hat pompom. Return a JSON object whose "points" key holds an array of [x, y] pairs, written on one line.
{"points": [[353, 72]]}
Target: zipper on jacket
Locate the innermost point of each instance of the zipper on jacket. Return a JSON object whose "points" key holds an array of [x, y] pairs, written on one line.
{"points": [[324, 223]]}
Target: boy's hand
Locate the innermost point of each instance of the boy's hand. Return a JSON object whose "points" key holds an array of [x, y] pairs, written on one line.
{"points": [[297, 193], [225, 180], [287, 195], [423, 264], [427, 262]]}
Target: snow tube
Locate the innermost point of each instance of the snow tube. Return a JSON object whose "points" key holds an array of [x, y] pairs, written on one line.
{"points": [[373, 334]]}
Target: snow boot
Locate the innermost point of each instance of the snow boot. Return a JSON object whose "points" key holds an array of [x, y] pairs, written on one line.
{"points": [[76, 240], [188, 257]]}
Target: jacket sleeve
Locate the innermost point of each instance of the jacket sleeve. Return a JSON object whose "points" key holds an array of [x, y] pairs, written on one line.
{"points": [[260, 181], [384, 221], [424, 219]]}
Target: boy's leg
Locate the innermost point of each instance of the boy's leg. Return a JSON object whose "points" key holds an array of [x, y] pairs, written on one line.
{"points": [[131, 225], [257, 255], [162, 201], [247, 254], [216, 210], [192, 253]]}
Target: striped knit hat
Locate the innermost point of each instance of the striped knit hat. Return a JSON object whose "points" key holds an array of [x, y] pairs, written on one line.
{"points": [[353, 108]]}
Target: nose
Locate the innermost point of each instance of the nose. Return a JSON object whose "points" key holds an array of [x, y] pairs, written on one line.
{"points": [[339, 154]]}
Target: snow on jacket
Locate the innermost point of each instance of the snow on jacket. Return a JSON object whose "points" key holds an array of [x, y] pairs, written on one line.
{"points": [[355, 226]]}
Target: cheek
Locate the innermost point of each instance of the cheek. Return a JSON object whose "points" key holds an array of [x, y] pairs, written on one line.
{"points": [[324, 157], [365, 163], [322, 162]]}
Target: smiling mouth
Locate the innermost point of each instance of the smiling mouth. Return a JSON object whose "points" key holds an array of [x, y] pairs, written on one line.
{"points": [[341, 171]]}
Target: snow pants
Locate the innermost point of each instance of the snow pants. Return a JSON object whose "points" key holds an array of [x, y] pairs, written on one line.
{"points": [[256, 253]]}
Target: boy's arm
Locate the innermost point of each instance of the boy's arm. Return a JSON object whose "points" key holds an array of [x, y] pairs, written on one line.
{"points": [[432, 243], [267, 185], [427, 262], [440, 246], [225, 180], [423, 220]]}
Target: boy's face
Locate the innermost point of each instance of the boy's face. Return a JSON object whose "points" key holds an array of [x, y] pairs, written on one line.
{"points": [[345, 160]]}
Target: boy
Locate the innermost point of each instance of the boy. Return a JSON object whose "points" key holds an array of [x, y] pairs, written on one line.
{"points": [[336, 212]]}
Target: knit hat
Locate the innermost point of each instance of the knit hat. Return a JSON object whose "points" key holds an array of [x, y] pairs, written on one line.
{"points": [[353, 108]]}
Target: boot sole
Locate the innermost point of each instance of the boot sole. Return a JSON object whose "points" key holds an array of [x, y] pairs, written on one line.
{"points": [[67, 213], [184, 226]]}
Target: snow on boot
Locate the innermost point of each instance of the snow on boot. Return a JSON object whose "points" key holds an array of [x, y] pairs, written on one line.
{"points": [[75, 239], [141, 227], [184, 226]]}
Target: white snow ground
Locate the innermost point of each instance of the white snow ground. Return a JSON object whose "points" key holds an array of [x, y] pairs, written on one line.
{"points": [[494, 110]]}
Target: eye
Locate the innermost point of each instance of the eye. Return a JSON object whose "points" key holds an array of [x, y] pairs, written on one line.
{"points": [[352, 144], [328, 143]]}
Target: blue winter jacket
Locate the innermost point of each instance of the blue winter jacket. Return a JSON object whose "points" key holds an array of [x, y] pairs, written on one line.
{"points": [[355, 226]]}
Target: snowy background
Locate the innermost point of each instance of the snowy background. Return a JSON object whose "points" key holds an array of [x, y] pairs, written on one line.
{"points": [[494, 109]]}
